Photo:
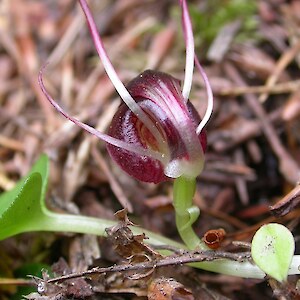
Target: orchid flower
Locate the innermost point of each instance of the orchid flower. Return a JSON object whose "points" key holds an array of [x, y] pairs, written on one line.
{"points": [[156, 133]]}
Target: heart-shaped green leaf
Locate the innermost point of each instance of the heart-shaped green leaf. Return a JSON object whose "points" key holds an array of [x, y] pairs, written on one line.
{"points": [[272, 250], [22, 206]]}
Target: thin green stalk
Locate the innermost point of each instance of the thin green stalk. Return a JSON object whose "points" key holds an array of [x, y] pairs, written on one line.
{"points": [[88, 225], [186, 213], [54, 222]]}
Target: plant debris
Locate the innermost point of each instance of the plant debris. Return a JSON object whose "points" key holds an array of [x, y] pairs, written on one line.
{"points": [[252, 170]]}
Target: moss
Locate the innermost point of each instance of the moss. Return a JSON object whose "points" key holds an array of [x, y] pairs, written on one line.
{"points": [[210, 18]]}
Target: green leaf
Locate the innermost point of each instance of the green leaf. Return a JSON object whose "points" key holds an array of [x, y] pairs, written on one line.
{"points": [[272, 250], [21, 208]]}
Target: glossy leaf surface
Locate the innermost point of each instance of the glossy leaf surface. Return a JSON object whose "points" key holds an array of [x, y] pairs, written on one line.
{"points": [[22, 207], [272, 250]]}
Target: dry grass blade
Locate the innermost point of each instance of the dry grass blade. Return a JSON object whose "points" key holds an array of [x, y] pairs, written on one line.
{"points": [[288, 166], [282, 63], [287, 203]]}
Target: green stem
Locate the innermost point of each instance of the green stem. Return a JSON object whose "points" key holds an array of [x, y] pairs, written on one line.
{"points": [[186, 213], [54, 222], [88, 225]]}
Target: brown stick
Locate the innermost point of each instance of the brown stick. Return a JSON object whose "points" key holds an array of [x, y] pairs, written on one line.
{"points": [[288, 166], [280, 88], [176, 259]]}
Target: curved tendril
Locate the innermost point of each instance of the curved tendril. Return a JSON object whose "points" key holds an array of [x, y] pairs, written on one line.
{"points": [[190, 50], [111, 72], [210, 97], [111, 140]]}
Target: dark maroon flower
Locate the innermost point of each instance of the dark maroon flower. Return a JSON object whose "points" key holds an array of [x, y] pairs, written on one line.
{"points": [[156, 133], [159, 96]]}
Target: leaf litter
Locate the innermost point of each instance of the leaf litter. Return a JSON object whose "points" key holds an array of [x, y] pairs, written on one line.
{"points": [[252, 160]]}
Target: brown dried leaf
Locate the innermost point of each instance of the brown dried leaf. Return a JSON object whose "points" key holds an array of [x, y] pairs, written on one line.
{"points": [[292, 107], [237, 132], [168, 289], [160, 46], [83, 250], [255, 62], [127, 244], [74, 171], [222, 42], [37, 296], [77, 288]]}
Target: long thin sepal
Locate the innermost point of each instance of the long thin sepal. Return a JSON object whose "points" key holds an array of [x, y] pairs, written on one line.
{"points": [[112, 74], [102, 136], [190, 50], [210, 97]]}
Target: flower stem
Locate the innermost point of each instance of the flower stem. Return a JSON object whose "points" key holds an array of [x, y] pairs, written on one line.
{"points": [[186, 213], [54, 222]]}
